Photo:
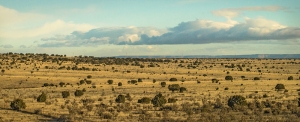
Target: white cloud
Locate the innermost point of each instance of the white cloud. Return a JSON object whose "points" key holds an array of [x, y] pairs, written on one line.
{"points": [[192, 32], [233, 12]]}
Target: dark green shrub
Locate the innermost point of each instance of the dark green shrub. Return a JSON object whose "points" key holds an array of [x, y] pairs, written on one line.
{"points": [[17, 104], [46, 84], [81, 82], [110, 81], [42, 97], [120, 99], [243, 77], [62, 84], [174, 87], [256, 78], [144, 100], [89, 76], [88, 82], [172, 100], [140, 80], [236, 100], [226, 88], [159, 100], [65, 94], [154, 80], [78, 93], [120, 84], [228, 78], [290, 78], [133, 81], [182, 89], [163, 84], [173, 79], [279, 86]]}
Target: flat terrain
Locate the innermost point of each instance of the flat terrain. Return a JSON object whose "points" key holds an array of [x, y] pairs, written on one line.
{"points": [[26, 76]]}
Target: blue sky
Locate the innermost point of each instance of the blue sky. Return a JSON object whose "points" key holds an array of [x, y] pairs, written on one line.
{"points": [[155, 27]]}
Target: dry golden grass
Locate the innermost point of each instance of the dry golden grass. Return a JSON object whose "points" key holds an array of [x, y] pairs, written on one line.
{"points": [[18, 81]]}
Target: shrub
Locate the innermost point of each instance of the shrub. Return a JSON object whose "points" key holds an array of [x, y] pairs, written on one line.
{"points": [[182, 89], [174, 87], [78, 93], [243, 77], [173, 79], [140, 80], [89, 76], [154, 80], [279, 86], [120, 99], [144, 100], [290, 78], [42, 97], [62, 84], [110, 81], [17, 104], [228, 78], [65, 94], [120, 84], [81, 82], [88, 82], [133, 81], [46, 84], [236, 100], [172, 100], [163, 84], [159, 100], [226, 88], [256, 78]]}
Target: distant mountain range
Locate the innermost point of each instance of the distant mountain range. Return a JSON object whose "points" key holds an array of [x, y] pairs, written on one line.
{"points": [[216, 56]]}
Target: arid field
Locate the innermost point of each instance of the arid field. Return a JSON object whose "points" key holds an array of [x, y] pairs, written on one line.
{"points": [[85, 88]]}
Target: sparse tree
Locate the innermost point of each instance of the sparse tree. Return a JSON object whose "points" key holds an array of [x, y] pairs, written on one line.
{"points": [[65, 94], [17, 104], [42, 97], [163, 84], [120, 99], [236, 100], [279, 86], [159, 100], [110, 81]]}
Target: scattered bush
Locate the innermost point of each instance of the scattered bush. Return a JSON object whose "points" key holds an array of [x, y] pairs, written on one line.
{"points": [[174, 87], [290, 78], [42, 97], [65, 94], [62, 84], [173, 79], [154, 80], [17, 104], [228, 78], [81, 82], [226, 88], [88, 82], [78, 93], [120, 84], [140, 80], [279, 86], [89, 76], [159, 100], [182, 89], [110, 81], [163, 84], [236, 100], [120, 99], [144, 100], [256, 78]]}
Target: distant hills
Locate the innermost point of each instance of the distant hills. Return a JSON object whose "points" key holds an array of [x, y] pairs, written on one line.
{"points": [[216, 56]]}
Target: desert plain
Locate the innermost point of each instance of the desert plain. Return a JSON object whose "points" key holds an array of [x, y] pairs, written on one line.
{"points": [[132, 89]]}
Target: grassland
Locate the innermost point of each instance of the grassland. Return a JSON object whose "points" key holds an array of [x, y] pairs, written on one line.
{"points": [[26, 76]]}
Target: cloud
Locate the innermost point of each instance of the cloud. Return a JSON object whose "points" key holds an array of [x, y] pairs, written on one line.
{"points": [[192, 32], [233, 12], [6, 46], [99, 36], [23, 46]]}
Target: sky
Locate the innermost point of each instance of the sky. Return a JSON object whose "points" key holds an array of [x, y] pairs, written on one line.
{"points": [[150, 27]]}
